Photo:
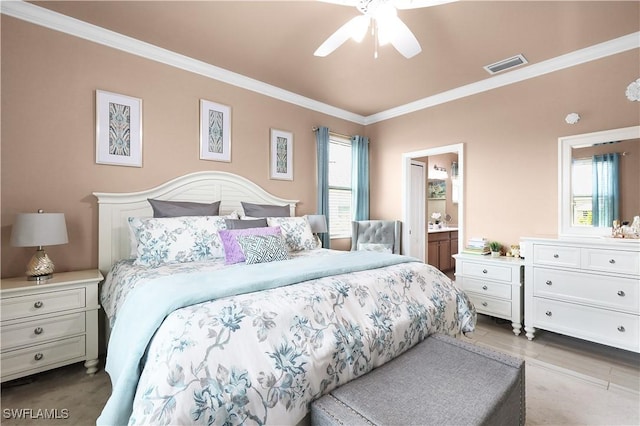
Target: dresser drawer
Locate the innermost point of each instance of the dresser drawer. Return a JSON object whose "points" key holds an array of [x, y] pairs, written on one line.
{"points": [[598, 325], [485, 287], [617, 261], [556, 256], [39, 356], [40, 330], [602, 291], [487, 271], [42, 303], [491, 306]]}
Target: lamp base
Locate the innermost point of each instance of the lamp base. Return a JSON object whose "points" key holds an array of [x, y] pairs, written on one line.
{"points": [[40, 267]]}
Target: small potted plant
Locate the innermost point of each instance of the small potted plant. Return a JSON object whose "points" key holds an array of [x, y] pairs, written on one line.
{"points": [[495, 247]]}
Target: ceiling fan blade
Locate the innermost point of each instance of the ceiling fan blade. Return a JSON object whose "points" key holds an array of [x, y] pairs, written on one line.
{"points": [[343, 33], [416, 4], [401, 37]]}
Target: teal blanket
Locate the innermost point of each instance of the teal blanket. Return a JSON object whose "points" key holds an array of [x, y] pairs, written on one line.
{"points": [[145, 309]]}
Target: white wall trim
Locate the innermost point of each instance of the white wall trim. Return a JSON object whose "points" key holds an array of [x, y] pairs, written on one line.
{"points": [[59, 22]]}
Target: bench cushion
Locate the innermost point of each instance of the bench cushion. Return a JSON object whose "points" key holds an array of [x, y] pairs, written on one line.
{"points": [[440, 381]]}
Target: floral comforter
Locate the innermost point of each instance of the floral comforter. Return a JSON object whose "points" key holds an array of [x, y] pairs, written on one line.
{"points": [[263, 357]]}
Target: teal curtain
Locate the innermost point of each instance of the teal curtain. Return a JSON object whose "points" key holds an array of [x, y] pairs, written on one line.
{"points": [[322, 157], [360, 177], [606, 189]]}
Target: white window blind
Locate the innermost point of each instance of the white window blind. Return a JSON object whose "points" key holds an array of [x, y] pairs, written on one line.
{"points": [[340, 215], [581, 184]]}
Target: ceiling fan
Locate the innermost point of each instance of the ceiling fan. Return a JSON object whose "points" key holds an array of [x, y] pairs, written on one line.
{"points": [[386, 27]]}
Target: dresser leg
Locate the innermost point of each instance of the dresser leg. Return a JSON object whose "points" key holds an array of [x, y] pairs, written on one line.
{"points": [[516, 328], [91, 365], [530, 332]]}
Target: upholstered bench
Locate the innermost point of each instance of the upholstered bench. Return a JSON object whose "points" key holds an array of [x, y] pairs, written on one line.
{"points": [[440, 381]]}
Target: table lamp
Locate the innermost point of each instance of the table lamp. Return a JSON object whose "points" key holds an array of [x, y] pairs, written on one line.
{"points": [[38, 230], [318, 223]]}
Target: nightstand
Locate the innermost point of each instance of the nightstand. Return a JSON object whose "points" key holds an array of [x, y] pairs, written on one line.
{"points": [[48, 325], [494, 285]]}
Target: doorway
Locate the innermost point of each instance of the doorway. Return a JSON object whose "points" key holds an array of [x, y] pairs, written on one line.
{"points": [[414, 202]]}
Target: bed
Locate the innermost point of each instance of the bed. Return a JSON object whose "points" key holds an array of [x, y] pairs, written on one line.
{"points": [[206, 340]]}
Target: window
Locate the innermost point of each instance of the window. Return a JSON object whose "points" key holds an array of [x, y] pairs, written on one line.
{"points": [[340, 215], [581, 179]]}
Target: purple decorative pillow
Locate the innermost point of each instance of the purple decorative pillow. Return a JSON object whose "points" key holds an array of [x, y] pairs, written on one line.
{"points": [[232, 250]]}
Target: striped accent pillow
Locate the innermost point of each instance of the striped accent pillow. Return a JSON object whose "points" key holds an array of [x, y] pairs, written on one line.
{"points": [[263, 248]]}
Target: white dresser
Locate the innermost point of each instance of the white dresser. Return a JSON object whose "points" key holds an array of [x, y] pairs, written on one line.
{"points": [[494, 285], [585, 288], [49, 325]]}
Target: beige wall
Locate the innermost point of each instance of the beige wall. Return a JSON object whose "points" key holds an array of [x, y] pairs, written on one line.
{"points": [[510, 138], [48, 136]]}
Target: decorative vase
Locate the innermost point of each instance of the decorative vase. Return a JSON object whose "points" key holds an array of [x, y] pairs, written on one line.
{"points": [[495, 254]]}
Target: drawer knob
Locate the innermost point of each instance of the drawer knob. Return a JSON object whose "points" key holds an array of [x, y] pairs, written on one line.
{"points": [[484, 287], [621, 329], [485, 304], [548, 282], [38, 356], [621, 293], [548, 313], [38, 330], [612, 261], [484, 271], [38, 305], [556, 256]]}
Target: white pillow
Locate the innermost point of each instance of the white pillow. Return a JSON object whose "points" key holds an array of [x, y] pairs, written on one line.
{"points": [[296, 232], [177, 239], [382, 248]]}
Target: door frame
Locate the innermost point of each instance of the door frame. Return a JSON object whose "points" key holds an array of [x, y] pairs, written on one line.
{"points": [[406, 190], [421, 221]]}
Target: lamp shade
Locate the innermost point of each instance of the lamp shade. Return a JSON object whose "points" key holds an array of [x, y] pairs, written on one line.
{"points": [[39, 229], [318, 223]]}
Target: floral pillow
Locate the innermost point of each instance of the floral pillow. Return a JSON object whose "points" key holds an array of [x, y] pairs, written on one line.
{"points": [[232, 251], [382, 248], [263, 248], [296, 232], [177, 239]]}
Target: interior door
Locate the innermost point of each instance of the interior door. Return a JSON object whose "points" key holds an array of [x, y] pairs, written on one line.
{"points": [[417, 224]]}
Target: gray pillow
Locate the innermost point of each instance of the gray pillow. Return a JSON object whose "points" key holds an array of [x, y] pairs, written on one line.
{"points": [[245, 224], [265, 210], [163, 208]]}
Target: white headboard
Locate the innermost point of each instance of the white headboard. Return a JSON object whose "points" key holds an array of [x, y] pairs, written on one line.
{"points": [[114, 209]]}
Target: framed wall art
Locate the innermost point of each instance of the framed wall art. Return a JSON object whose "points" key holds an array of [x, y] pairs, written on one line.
{"points": [[437, 189], [281, 155], [118, 129], [215, 131]]}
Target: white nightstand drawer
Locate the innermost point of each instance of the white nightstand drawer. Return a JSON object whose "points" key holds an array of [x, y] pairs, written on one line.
{"points": [[598, 325], [490, 306], [556, 255], [40, 330], [36, 357], [488, 271], [486, 287], [42, 303], [617, 261], [598, 290]]}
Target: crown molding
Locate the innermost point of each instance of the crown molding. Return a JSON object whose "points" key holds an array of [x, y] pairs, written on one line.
{"points": [[75, 27]]}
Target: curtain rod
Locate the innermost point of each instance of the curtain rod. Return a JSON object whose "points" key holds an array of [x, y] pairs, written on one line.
{"points": [[315, 129]]}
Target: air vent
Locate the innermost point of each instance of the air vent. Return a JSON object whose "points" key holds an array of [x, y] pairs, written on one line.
{"points": [[505, 64]]}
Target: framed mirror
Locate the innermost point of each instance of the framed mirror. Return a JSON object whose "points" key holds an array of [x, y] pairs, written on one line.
{"points": [[598, 181]]}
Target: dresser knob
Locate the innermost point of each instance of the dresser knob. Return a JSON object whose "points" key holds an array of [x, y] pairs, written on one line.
{"points": [[612, 261], [485, 304], [621, 329], [548, 313], [37, 305], [484, 271], [38, 356], [621, 293], [548, 282], [484, 287], [555, 256], [38, 330]]}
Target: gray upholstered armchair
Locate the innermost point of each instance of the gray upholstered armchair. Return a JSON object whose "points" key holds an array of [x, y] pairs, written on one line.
{"points": [[376, 235]]}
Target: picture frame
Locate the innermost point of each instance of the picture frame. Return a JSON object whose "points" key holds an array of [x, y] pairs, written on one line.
{"points": [[437, 189], [215, 131], [281, 158], [118, 129]]}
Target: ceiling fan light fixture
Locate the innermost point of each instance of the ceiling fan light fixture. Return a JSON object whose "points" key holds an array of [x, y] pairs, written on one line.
{"points": [[359, 28]]}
